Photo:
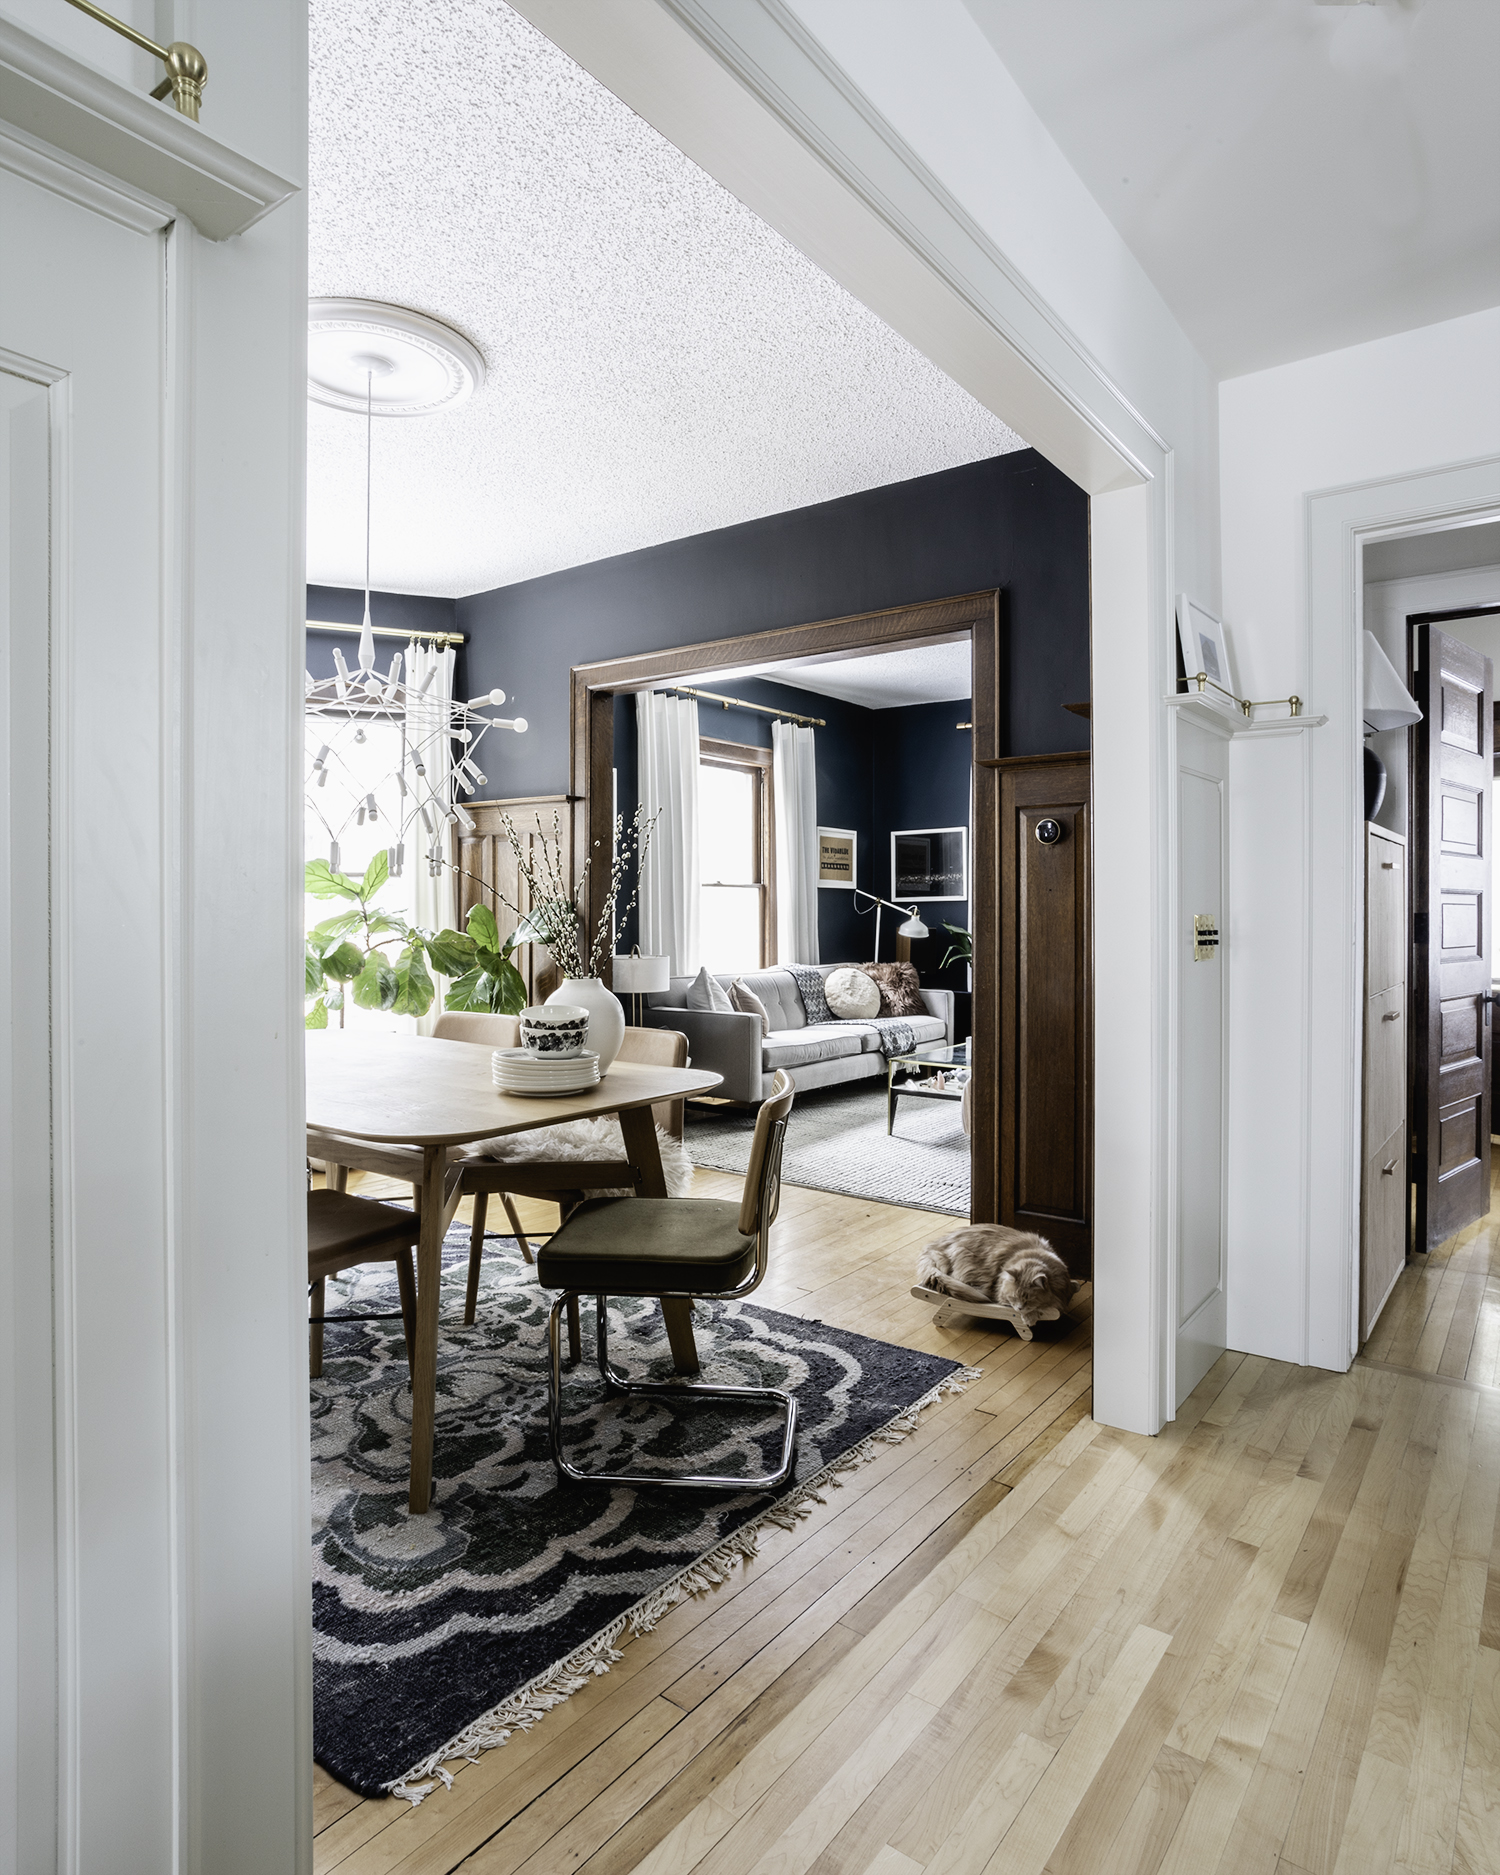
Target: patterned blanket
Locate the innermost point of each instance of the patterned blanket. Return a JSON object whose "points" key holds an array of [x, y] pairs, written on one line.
{"points": [[896, 1036]]}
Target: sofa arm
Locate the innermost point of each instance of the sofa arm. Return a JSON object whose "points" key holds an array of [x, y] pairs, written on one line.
{"points": [[939, 1003], [729, 1045]]}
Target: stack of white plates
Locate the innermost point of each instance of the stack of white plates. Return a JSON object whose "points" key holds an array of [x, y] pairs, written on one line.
{"points": [[543, 1077]]}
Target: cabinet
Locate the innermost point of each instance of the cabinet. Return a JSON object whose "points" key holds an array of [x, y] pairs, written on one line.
{"points": [[1384, 1184]]}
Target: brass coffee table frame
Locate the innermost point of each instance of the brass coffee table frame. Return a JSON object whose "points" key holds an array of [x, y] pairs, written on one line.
{"points": [[933, 1055]]}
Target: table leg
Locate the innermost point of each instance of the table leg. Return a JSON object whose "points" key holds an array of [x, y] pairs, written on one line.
{"points": [[890, 1100], [639, 1128], [424, 1361]]}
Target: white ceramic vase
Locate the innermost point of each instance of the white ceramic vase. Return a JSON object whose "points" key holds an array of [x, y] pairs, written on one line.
{"points": [[606, 1016]]}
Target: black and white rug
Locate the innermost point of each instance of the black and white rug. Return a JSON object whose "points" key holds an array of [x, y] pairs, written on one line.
{"points": [[836, 1141], [435, 1637]]}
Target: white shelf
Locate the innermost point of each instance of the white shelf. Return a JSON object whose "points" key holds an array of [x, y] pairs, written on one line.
{"points": [[1219, 719]]}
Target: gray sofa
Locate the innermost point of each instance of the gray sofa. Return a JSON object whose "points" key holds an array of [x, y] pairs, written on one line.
{"points": [[814, 1054]]}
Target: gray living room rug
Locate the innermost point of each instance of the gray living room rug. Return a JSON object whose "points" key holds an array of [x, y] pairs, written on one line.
{"points": [[836, 1141]]}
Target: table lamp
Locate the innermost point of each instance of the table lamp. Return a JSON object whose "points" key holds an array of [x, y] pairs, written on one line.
{"points": [[637, 976]]}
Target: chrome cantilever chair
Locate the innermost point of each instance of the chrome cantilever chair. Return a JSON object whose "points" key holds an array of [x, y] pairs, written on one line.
{"points": [[673, 1248]]}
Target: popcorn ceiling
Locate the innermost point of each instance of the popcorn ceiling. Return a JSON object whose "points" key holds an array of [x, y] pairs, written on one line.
{"points": [[660, 362]]}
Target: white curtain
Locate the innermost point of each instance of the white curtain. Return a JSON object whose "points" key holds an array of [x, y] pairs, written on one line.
{"points": [[795, 775], [667, 783], [434, 895]]}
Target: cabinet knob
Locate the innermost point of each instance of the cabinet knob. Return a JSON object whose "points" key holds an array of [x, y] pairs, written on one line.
{"points": [[1391, 1015], [1386, 1170]]}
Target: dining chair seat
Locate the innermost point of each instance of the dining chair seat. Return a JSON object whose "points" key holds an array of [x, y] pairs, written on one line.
{"points": [[343, 1232], [648, 1246]]}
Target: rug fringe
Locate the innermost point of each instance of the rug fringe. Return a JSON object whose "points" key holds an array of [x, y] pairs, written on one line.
{"points": [[525, 1707]]}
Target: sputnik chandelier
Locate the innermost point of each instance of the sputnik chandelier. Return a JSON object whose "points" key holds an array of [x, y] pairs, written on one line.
{"points": [[418, 794]]}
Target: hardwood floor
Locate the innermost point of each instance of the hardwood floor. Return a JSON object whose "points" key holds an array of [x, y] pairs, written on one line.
{"points": [[1266, 1642]]}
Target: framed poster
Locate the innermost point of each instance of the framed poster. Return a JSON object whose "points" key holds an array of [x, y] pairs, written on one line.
{"points": [[836, 855], [1204, 649], [929, 863]]}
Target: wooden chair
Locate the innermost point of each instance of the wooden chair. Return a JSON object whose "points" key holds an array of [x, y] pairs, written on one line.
{"points": [[677, 1249], [342, 1232]]}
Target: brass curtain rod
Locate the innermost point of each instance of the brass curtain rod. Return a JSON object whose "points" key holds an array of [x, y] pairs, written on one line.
{"points": [[388, 631], [187, 69], [738, 703]]}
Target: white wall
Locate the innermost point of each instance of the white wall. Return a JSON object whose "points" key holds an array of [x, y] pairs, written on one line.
{"points": [[1397, 406]]}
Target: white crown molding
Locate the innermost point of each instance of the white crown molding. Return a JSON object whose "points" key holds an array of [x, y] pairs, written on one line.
{"points": [[80, 116], [35, 161]]}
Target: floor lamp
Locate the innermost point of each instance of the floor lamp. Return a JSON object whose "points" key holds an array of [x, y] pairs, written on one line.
{"points": [[637, 976], [913, 928]]}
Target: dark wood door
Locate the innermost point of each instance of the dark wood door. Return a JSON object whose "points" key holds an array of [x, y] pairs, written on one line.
{"points": [[1046, 1003], [1452, 774]]}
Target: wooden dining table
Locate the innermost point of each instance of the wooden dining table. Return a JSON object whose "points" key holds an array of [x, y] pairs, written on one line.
{"points": [[414, 1091]]}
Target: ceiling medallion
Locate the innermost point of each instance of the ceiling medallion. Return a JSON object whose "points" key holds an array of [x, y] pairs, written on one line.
{"points": [[409, 364]]}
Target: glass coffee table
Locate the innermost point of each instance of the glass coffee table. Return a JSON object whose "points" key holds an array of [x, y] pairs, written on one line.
{"points": [[937, 1071]]}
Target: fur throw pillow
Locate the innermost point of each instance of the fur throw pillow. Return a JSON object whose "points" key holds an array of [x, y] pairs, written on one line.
{"points": [[900, 991], [599, 1138], [706, 992], [749, 1004], [852, 996]]}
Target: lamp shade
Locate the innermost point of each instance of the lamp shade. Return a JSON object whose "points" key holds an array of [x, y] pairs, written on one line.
{"points": [[641, 976], [913, 928], [1388, 704]]}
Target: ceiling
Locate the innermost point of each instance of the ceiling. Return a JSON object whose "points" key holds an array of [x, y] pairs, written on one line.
{"points": [[1416, 556], [659, 361], [878, 680], [1294, 176]]}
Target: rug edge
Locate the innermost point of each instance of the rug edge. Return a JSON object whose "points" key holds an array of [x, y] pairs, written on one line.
{"points": [[529, 1705]]}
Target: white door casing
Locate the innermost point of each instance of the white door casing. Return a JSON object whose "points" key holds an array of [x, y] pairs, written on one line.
{"points": [[154, 1709], [1199, 1251]]}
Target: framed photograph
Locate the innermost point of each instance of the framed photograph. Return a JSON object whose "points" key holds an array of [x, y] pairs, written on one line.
{"points": [[837, 850], [929, 863], [1204, 649]]}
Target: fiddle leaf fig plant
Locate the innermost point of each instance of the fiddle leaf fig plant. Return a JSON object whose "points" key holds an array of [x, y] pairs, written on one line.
{"points": [[483, 979], [961, 950]]}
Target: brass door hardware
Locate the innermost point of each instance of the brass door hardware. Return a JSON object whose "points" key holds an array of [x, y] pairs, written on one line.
{"points": [[1205, 936], [1204, 682], [187, 70]]}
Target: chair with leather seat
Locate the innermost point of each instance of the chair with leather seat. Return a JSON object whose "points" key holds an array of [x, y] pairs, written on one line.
{"points": [[343, 1232], [675, 1248]]}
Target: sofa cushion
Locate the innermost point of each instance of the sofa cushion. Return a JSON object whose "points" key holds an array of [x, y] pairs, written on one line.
{"points": [[777, 993], [852, 995], [924, 1029], [824, 1041], [706, 992]]}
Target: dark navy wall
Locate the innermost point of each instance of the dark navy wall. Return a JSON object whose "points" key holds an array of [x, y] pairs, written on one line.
{"points": [[403, 611], [1014, 522], [920, 778]]}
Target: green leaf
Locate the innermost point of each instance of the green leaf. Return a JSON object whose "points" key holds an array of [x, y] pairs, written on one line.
{"points": [[462, 992], [345, 963], [483, 929], [451, 952], [388, 921], [375, 987], [322, 882], [414, 987], [312, 971], [499, 992], [317, 1016], [512, 998], [335, 999], [332, 929], [376, 874]]}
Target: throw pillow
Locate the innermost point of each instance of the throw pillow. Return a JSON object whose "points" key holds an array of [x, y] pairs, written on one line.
{"points": [[852, 996], [706, 992], [900, 990], [749, 1004]]}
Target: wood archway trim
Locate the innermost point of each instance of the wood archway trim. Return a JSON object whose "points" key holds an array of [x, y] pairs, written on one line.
{"points": [[592, 734]]}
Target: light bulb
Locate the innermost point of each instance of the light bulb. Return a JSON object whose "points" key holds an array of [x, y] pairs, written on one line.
{"points": [[519, 725]]}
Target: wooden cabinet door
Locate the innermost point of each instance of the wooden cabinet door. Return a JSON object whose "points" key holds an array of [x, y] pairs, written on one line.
{"points": [[1382, 1227], [1046, 1003]]}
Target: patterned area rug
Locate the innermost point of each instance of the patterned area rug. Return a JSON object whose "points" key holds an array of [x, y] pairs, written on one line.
{"points": [[435, 1637], [836, 1141]]}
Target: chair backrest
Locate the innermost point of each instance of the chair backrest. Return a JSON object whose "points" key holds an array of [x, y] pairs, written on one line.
{"points": [[659, 1048], [762, 1194], [492, 1031]]}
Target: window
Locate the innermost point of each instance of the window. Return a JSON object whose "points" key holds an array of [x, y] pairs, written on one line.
{"points": [[734, 844]]}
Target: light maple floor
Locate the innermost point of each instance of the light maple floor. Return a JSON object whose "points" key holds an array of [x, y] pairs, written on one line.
{"points": [[1266, 1642]]}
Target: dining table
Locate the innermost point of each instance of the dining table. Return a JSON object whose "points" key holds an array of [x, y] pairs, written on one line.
{"points": [[368, 1091]]}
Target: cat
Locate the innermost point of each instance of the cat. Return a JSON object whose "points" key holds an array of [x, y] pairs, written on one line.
{"points": [[991, 1263]]}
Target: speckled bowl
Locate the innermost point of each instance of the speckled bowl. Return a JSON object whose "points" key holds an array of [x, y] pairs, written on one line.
{"points": [[556, 1030]]}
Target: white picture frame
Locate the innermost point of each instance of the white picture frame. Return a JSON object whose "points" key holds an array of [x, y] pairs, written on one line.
{"points": [[838, 859], [1204, 648], [945, 862]]}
